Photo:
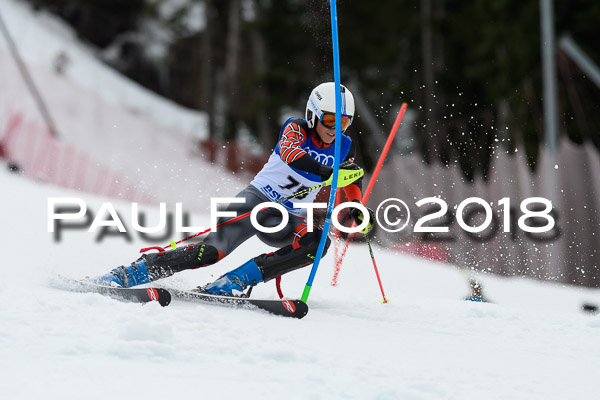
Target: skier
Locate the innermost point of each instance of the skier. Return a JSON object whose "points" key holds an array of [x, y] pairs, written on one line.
{"points": [[303, 157], [476, 292]]}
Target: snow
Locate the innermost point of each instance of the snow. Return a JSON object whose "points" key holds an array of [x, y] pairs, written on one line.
{"points": [[533, 342]]}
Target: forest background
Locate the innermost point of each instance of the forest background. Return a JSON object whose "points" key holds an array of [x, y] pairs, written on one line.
{"points": [[470, 71]]}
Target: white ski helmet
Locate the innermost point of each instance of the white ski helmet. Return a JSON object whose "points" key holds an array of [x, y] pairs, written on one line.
{"points": [[322, 100]]}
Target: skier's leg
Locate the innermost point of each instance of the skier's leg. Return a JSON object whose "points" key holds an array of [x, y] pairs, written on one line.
{"points": [[153, 266], [229, 237], [299, 253]]}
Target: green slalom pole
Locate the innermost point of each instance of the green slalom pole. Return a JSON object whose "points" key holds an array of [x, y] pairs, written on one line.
{"points": [[336, 162]]}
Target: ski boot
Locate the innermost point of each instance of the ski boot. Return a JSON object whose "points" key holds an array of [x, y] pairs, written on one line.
{"points": [[126, 276], [249, 274]]}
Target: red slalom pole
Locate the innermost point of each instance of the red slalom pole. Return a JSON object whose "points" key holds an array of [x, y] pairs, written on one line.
{"points": [[337, 239], [385, 299], [367, 193], [385, 151]]}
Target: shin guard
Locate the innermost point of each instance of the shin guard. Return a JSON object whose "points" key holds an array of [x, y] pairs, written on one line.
{"points": [[291, 257]]}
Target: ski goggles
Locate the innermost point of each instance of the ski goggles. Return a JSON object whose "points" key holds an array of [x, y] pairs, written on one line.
{"points": [[328, 121]]}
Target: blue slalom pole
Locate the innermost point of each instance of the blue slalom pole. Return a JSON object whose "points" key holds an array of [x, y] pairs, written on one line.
{"points": [[336, 161]]}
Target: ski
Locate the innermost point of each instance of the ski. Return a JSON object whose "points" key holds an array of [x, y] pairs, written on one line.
{"points": [[136, 295], [285, 308]]}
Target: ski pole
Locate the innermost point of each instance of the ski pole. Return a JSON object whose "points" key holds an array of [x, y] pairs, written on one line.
{"points": [[173, 244], [385, 299], [367, 192]]}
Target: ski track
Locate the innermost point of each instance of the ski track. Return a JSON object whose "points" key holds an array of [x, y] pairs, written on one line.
{"points": [[533, 343]]}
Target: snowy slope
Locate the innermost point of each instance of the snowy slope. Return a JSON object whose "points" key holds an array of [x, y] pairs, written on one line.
{"points": [[43, 38], [533, 343], [121, 137]]}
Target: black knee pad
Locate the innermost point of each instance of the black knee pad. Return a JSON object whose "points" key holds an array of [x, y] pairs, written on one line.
{"points": [[290, 257], [311, 241]]}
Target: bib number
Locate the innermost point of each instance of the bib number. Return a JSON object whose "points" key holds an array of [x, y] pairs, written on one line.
{"points": [[295, 186]]}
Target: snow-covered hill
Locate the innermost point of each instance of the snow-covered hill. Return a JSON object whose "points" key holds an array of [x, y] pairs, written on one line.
{"points": [[532, 343], [144, 147]]}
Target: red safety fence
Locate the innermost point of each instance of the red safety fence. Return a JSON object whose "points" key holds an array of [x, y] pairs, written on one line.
{"points": [[42, 157]]}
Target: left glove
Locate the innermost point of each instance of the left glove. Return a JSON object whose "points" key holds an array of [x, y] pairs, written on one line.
{"points": [[358, 217], [348, 172]]}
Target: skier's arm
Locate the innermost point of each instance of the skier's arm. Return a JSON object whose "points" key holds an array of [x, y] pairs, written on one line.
{"points": [[354, 190], [293, 155]]}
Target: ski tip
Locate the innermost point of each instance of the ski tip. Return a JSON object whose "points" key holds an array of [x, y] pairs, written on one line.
{"points": [[296, 308], [161, 295], [164, 299], [304, 310]]}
